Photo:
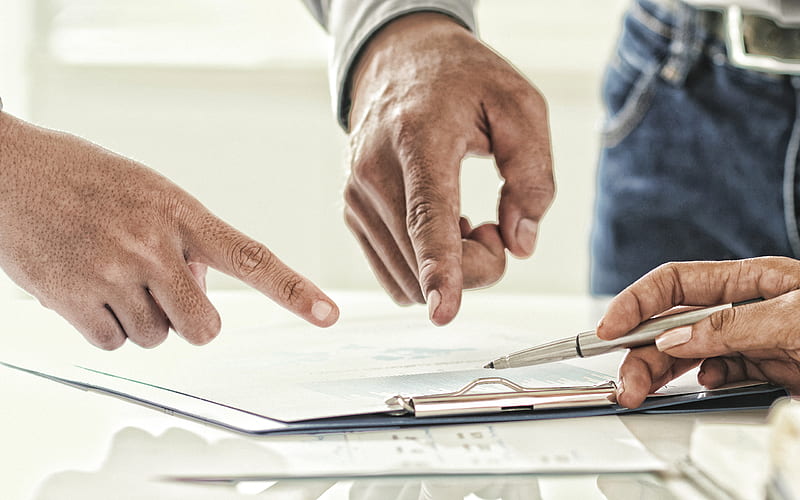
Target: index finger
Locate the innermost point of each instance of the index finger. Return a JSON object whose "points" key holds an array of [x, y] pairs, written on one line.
{"points": [[644, 370], [697, 283], [228, 250], [432, 218]]}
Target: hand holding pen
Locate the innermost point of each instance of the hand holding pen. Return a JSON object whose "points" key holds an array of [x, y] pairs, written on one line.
{"points": [[587, 343], [757, 341]]}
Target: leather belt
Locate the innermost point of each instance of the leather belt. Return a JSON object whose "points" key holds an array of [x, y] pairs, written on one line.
{"points": [[753, 42]]}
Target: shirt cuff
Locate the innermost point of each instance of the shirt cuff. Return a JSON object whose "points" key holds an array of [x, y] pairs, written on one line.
{"points": [[351, 23]]}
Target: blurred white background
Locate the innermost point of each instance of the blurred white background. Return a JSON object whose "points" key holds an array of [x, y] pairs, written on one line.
{"points": [[229, 99]]}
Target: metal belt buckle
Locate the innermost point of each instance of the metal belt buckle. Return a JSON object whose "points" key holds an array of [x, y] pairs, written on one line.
{"points": [[738, 55]]}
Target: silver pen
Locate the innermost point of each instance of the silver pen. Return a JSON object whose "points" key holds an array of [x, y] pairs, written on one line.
{"points": [[587, 343]]}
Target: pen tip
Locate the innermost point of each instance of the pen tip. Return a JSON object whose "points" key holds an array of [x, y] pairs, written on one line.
{"points": [[489, 365]]}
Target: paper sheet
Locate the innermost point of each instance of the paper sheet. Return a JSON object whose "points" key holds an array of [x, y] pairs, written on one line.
{"points": [[368, 395], [297, 372]]}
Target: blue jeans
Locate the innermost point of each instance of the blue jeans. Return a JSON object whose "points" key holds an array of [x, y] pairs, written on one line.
{"points": [[698, 158]]}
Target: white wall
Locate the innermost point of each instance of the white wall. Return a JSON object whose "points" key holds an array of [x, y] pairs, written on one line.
{"points": [[15, 31], [241, 117]]}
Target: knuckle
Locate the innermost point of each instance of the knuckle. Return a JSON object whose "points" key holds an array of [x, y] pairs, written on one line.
{"points": [[152, 341], [152, 336], [667, 280], [775, 261], [105, 339], [370, 182], [781, 274], [173, 205], [290, 287], [546, 189], [353, 223], [150, 328], [539, 193], [437, 270], [204, 331], [532, 102], [424, 213], [411, 126], [45, 300], [352, 196], [420, 216], [148, 340], [251, 259], [359, 171], [522, 101], [361, 159], [408, 122], [721, 319], [112, 272]]}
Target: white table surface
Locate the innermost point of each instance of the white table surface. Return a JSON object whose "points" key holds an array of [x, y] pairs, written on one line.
{"points": [[58, 442]]}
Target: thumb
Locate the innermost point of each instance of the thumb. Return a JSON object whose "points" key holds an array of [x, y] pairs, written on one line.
{"points": [[228, 250], [520, 139], [750, 327]]}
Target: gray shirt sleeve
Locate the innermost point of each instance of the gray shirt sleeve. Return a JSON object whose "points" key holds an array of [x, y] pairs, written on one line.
{"points": [[351, 23]]}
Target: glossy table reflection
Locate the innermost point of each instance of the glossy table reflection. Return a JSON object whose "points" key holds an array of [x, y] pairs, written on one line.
{"points": [[61, 443]]}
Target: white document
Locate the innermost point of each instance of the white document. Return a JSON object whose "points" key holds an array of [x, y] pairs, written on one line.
{"points": [[299, 372]]}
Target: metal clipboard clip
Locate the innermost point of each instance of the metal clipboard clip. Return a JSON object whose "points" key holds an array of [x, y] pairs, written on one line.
{"points": [[462, 402]]}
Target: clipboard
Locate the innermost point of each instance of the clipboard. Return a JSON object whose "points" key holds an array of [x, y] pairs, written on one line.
{"points": [[463, 406]]}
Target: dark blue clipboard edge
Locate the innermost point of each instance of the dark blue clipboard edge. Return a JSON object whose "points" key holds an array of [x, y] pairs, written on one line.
{"points": [[752, 397]]}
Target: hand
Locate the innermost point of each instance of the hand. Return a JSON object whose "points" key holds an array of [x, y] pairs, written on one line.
{"points": [[758, 341], [119, 250], [426, 93]]}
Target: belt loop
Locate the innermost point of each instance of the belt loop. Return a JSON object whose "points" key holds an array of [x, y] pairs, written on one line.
{"points": [[688, 37]]}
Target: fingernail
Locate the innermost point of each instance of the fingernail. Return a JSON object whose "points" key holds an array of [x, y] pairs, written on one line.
{"points": [[600, 325], [674, 338], [321, 310], [434, 299], [620, 388], [526, 234]]}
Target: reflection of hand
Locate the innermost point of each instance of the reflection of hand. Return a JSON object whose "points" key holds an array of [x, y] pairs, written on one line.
{"points": [[759, 341], [447, 488], [626, 486], [427, 93], [120, 251], [138, 463]]}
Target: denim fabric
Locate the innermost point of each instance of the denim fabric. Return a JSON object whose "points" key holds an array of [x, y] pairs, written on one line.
{"points": [[695, 152]]}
